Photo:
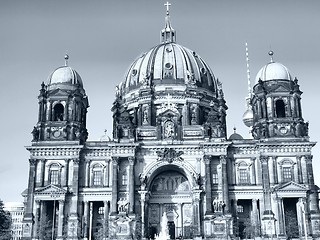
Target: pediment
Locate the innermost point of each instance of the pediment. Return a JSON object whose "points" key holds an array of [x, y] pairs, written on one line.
{"points": [[59, 92], [291, 187], [50, 190], [169, 113]]}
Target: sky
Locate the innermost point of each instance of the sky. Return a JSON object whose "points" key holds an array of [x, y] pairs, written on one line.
{"points": [[103, 38]]}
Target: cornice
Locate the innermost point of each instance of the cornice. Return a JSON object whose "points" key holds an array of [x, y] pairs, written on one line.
{"points": [[54, 151]]}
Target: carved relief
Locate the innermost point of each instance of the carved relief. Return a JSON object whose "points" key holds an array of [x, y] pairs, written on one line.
{"points": [[170, 155], [170, 182]]}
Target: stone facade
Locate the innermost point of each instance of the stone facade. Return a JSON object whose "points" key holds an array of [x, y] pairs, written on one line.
{"points": [[170, 155]]}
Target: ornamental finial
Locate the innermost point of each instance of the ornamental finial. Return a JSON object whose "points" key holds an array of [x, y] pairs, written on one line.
{"points": [[66, 58], [271, 55]]}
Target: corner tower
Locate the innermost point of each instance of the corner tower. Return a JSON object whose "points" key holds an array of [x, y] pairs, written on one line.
{"points": [[63, 107], [276, 104]]}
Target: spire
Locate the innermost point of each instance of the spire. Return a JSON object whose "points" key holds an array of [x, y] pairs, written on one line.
{"points": [[168, 34]]}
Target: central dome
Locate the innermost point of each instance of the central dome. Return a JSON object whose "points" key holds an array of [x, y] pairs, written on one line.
{"points": [[169, 63]]}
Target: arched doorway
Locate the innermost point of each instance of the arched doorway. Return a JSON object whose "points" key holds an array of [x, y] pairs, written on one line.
{"points": [[170, 194]]}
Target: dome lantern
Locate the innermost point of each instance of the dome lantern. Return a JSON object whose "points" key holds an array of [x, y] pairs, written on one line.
{"points": [[168, 34]]}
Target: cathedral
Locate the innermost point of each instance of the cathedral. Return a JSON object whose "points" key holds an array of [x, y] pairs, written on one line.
{"points": [[170, 169]]}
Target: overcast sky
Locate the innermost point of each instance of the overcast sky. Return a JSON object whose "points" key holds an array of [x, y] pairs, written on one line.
{"points": [[102, 39]]}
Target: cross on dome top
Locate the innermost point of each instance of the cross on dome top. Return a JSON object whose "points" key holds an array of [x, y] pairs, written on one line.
{"points": [[168, 7]]}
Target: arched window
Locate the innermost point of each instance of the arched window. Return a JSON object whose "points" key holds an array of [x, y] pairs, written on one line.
{"points": [[54, 174], [58, 112], [243, 173], [280, 109], [97, 175], [287, 171], [124, 181]]}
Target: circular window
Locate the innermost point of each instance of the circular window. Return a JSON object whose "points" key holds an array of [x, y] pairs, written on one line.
{"points": [[134, 72], [168, 65], [203, 70], [168, 50]]}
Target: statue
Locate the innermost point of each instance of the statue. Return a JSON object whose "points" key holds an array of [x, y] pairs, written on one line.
{"points": [[215, 204], [218, 205], [35, 133], [123, 205]]}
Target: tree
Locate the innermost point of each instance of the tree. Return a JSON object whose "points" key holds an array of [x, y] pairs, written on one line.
{"points": [[5, 223]]}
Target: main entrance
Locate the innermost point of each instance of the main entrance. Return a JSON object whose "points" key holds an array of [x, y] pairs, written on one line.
{"points": [[171, 195]]}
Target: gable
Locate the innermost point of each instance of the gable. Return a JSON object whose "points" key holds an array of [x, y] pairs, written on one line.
{"points": [[50, 190], [291, 187]]}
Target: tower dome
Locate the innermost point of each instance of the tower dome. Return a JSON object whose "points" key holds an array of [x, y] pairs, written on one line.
{"points": [[273, 71], [65, 75]]}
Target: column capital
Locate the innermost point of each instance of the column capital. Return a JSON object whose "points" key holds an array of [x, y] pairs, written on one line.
{"points": [[143, 195], [76, 160], [206, 159], [32, 161], [223, 159], [308, 158], [131, 160], [196, 194], [61, 201], [264, 159], [115, 160]]}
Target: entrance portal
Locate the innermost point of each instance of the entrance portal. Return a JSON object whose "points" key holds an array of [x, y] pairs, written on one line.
{"points": [[171, 194]]}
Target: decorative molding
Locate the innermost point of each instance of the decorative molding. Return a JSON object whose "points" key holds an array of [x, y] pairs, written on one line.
{"points": [[169, 155]]}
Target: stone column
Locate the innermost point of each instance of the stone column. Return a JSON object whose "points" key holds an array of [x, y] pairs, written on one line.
{"points": [[196, 212], [28, 216], [295, 173], [143, 218], [106, 218], [299, 169], [181, 219], [61, 219], [207, 160], [271, 170], [280, 216], [131, 184], [114, 201], [73, 220], [66, 173], [304, 170], [87, 171], [255, 215], [265, 182], [86, 220], [309, 169], [225, 184], [48, 111], [253, 171], [42, 172], [107, 183], [37, 218]]}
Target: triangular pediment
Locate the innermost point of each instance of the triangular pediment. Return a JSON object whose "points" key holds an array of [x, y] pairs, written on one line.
{"points": [[59, 92], [291, 186], [50, 189], [169, 113]]}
